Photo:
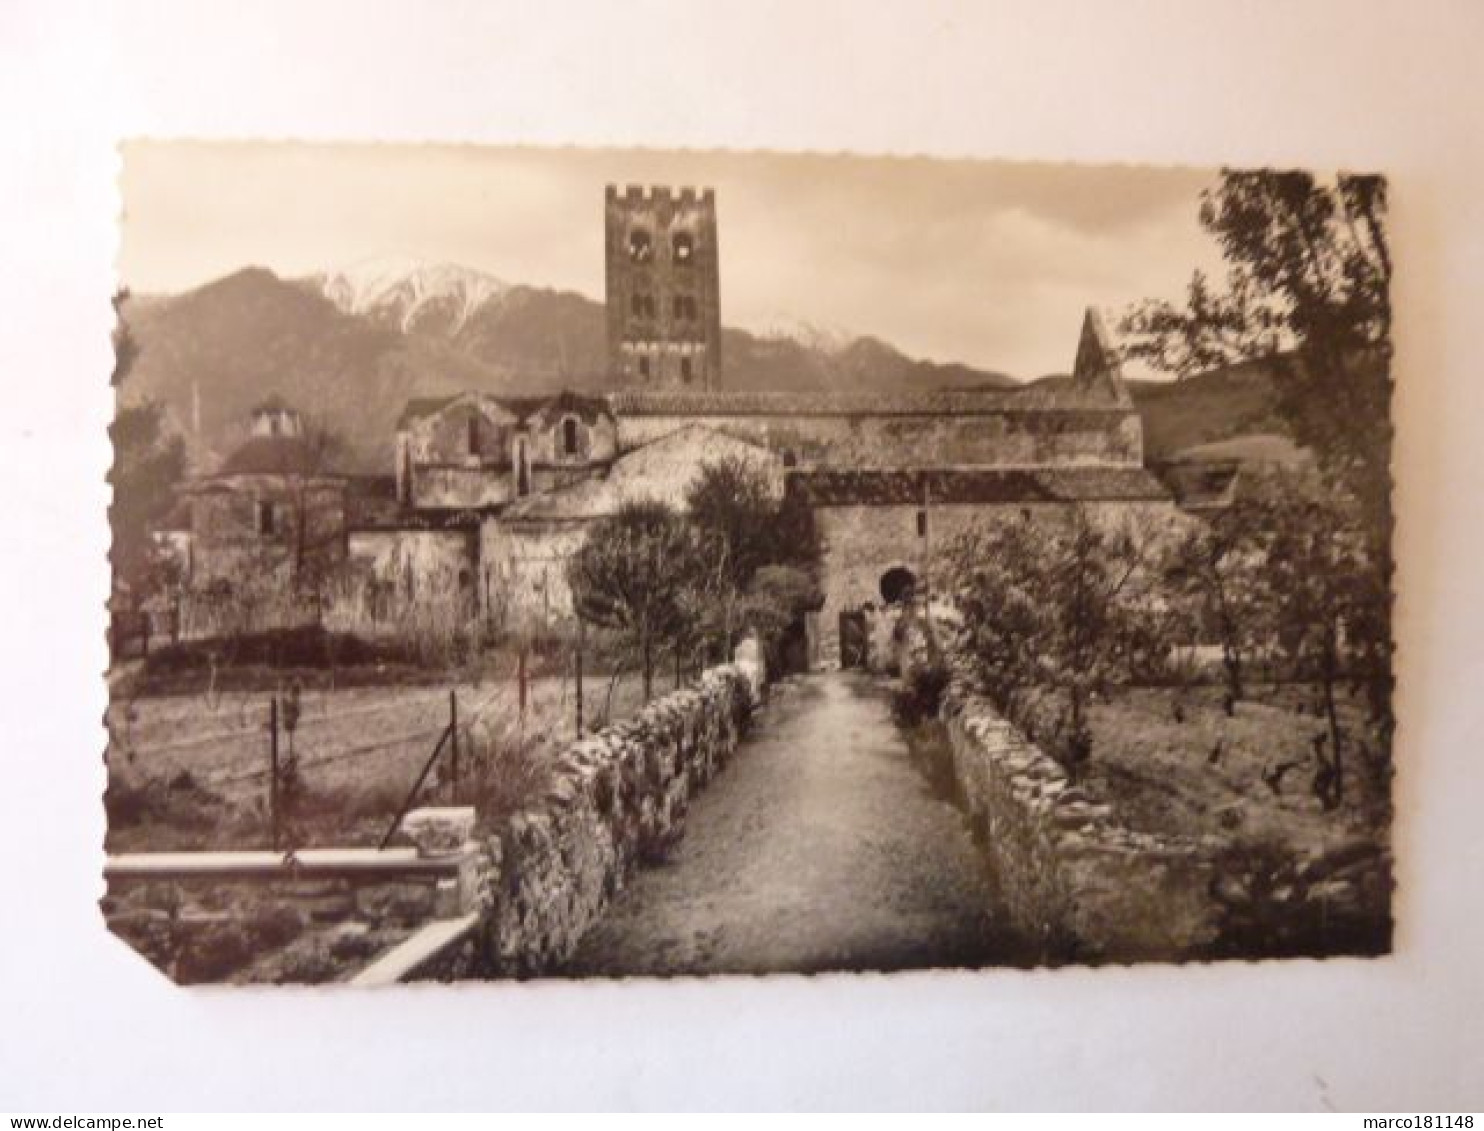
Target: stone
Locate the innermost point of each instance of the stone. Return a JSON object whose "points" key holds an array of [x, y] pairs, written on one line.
{"points": [[440, 831]]}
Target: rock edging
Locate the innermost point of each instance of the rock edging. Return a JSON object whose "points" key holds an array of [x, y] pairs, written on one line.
{"points": [[1073, 878], [617, 798]]}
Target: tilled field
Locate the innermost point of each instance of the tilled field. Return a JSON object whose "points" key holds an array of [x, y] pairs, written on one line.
{"points": [[197, 766]]}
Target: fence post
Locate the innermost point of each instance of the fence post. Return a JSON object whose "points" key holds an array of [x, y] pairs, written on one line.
{"points": [[520, 676], [579, 678], [273, 773], [453, 727]]}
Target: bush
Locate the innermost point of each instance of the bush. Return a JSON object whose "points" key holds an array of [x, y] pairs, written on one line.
{"points": [[919, 695], [306, 646]]}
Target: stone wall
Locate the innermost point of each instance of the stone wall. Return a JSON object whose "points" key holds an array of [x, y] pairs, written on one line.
{"points": [[618, 798], [524, 570], [989, 439], [248, 527], [1072, 877], [398, 577]]}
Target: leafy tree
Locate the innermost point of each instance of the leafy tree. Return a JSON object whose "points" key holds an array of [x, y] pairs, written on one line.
{"points": [[1053, 606], [634, 575], [1317, 569], [1307, 293], [1215, 568], [314, 528], [996, 576], [760, 553], [148, 462], [125, 347], [734, 503]]}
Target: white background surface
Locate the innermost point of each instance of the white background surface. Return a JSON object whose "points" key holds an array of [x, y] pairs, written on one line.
{"points": [[86, 1025]]}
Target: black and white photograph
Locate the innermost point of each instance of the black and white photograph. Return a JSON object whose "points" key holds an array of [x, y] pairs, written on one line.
{"points": [[605, 563]]}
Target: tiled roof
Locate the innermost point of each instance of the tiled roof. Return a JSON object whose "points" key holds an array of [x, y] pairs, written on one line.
{"points": [[520, 405], [1065, 396], [178, 517], [587, 498], [976, 485], [682, 402], [371, 503], [275, 455]]}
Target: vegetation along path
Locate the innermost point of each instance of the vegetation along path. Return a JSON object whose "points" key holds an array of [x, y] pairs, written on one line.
{"points": [[821, 846]]}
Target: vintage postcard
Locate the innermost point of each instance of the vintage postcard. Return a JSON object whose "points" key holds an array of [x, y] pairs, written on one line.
{"points": [[603, 563]]}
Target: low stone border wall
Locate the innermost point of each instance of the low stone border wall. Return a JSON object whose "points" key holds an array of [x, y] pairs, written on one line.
{"points": [[618, 798], [1087, 888]]}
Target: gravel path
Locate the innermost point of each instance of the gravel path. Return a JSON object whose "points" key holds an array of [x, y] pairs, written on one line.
{"points": [[821, 846]]}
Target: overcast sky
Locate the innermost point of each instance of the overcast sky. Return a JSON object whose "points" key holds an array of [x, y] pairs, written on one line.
{"points": [[982, 262]]}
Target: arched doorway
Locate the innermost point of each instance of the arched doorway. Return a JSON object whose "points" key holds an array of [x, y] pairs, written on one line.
{"points": [[897, 585]]}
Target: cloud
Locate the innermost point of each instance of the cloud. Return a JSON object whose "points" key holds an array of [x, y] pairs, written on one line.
{"points": [[984, 262]]}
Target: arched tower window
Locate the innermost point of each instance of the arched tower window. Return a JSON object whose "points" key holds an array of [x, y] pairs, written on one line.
{"points": [[522, 468], [683, 247], [641, 246]]}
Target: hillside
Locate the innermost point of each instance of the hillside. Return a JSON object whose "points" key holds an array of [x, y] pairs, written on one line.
{"points": [[350, 348], [236, 341], [1234, 401]]}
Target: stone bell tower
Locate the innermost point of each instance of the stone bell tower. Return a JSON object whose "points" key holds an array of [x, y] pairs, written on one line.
{"points": [[663, 290]]}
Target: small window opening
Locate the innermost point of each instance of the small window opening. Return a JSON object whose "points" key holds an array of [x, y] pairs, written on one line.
{"points": [[473, 435], [684, 308], [643, 367], [686, 370], [922, 524], [641, 246], [522, 470], [684, 245], [790, 458], [266, 519], [569, 437]]}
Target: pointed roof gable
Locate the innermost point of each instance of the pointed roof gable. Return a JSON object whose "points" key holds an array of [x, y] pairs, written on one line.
{"points": [[1097, 368]]}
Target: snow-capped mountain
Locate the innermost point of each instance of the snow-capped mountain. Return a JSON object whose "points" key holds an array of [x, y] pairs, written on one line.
{"points": [[811, 335], [350, 347], [410, 292]]}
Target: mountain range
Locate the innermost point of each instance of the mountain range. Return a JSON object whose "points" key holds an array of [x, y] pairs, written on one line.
{"points": [[350, 347]]}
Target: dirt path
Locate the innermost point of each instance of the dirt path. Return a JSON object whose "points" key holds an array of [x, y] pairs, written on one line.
{"points": [[820, 846]]}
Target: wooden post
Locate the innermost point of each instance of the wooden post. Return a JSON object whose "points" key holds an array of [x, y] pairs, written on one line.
{"points": [[273, 773], [579, 677], [453, 728], [520, 676]]}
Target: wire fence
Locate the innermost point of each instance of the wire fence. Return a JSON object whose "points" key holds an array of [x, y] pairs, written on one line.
{"points": [[273, 743]]}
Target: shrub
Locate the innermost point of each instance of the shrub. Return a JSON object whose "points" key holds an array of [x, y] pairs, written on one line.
{"points": [[919, 695]]}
